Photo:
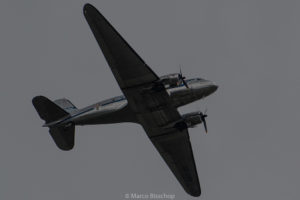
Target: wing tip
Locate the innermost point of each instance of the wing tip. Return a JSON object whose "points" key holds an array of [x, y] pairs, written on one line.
{"points": [[89, 8], [91, 13], [194, 191]]}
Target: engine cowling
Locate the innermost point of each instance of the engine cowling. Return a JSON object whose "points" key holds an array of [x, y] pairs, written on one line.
{"points": [[192, 119], [171, 80]]}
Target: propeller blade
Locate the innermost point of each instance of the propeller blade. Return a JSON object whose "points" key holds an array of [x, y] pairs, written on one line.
{"points": [[205, 126], [184, 82], [181, 77], [203, 116]]}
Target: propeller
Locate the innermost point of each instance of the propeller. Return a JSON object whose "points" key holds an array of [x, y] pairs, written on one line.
{"points": [[203, 116], [181, 77]]}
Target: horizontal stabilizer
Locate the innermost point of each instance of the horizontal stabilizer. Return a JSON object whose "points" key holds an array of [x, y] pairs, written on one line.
{"points": [[63, 137], [48, 110]]}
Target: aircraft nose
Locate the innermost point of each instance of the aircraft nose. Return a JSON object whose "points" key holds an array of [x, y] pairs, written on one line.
{"points": [[214, 87]]}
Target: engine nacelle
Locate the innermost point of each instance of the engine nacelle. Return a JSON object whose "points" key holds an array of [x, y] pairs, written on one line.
{"points": [[192, 119], [171, 80], [189, 120]]}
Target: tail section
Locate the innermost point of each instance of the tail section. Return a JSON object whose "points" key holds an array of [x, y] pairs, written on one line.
{"points": [[49, 111]]}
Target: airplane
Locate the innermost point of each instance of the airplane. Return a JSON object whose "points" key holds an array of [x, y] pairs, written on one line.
{"points": [[147, 99]]}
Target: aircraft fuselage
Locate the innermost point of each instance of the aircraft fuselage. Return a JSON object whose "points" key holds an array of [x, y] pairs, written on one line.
{"points": [[115, 110]]}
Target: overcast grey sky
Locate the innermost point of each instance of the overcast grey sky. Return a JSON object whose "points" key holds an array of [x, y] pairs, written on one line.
{"points": [[250, 48]]}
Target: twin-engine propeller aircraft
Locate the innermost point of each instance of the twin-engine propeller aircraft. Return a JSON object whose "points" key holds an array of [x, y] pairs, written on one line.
{"points": [[148, 100]]}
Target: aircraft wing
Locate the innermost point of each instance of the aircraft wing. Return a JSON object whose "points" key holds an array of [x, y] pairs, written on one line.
{"points": [[153, 109], [126, 65]]}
